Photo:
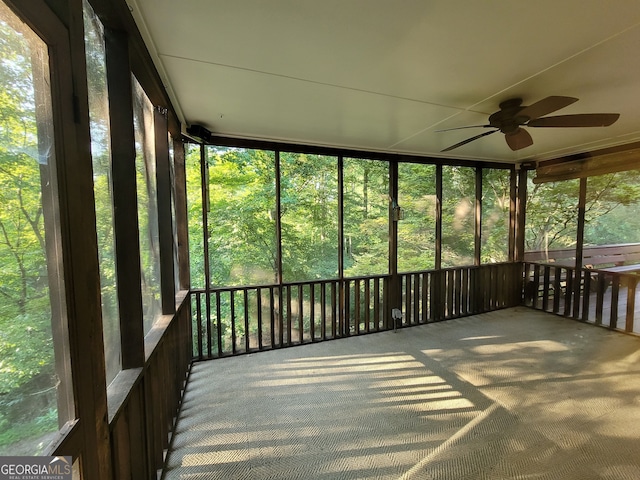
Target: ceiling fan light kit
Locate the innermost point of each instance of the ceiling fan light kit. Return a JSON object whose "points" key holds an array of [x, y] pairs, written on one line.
{"points": [[512, 116]]}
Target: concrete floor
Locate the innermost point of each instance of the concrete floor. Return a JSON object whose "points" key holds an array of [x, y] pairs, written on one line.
{"points": [[516, 393]]}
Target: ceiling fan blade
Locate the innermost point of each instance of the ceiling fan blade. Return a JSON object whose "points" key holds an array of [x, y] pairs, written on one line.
{"points": [[578, 120], [468, 140], [462, 128], [518, 140], [546, 106]]}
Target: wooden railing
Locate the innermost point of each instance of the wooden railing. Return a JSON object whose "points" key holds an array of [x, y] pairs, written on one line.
{"points": [[596, 296], [595, 256], [236, 320], [144, 402]]}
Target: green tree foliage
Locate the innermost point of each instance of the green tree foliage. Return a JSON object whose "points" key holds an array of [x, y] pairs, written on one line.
{"points": [[496, 202], [366, 217], [309, 209], [612, 212], [417, 231], [27, 377], [194, 214], [101, 162], [552, 214], [147, 200], [458, 216], [242, 234], [552, 210]]}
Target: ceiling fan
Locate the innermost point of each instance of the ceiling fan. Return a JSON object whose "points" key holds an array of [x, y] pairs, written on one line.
{"points": [[512, 116]]}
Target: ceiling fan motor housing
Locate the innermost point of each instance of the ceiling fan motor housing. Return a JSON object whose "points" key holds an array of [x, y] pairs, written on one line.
{"points": [[507, 119]]}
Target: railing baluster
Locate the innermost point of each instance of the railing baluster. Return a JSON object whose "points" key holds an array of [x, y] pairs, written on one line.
{"points": [[300, 314], [199, 320], [458, 291], [346, 321], [450, 286], [280, 318], [259, 307], [415, 320], [495, 290], [218, 324], [323, 310], [568, 292], [208, 313], [356, 301], [232, 304], [632, 282], [464, 291], [536, 281], [334, 309], [557, 289], [367, 303], [615, 289], [272, 318], [586, 293], [600, 298], [425, 298], [577, 284], [545, 292], [376, 304], [247, 344], [312, 311], [289, 342]]}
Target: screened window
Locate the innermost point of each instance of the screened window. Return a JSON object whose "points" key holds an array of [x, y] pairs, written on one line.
{"points": [[174, 223], [147, 194], [309, 205], [458, 216], [496, 206], [417, 230], [552, 221], [101, 155], [242, 219], [366, 217], [612, 209], [35, 394], [194, 214]]}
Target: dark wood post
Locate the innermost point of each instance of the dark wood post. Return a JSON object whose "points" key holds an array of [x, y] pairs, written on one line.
{"points": [[165, 220], [182, 226], [478, 218], [513, 216], [125, 214], [395, 287], [578, 284]]}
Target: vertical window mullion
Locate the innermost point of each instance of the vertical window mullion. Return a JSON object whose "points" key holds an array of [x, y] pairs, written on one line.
{"points": [[182, 218], [513, 202], [438, 246], [478, 217], [340, 217], [165, 224], [278, 220]]}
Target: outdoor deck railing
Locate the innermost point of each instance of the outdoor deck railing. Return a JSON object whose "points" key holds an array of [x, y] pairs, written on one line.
{"points": [[602, 298], [236, 320]]}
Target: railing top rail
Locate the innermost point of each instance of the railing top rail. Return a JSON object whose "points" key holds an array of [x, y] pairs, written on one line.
{"points": [[605, 271], [285, 284], [459, 267], [588, 250], [240, 288]]}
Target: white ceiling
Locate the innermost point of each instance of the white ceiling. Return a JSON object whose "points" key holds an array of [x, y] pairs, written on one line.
{"points": [[383, 75]]}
